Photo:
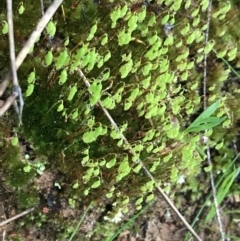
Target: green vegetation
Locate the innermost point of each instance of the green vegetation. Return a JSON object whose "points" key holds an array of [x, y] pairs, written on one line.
{"points": [[144, 65]]}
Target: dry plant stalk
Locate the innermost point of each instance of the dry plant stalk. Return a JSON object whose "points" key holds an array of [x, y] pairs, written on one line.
{"points": [[166, 198], [204, 107], [16, 216], [23, 54]]}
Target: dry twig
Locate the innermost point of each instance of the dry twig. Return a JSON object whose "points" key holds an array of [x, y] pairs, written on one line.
{"points": [[166, 198], [17, 92], [24, 52], [16, 216], [205, 106]]}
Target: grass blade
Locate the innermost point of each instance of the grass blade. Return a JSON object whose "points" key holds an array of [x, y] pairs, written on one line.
{"points": [[79, 223], [209, 196], [222, 192]]}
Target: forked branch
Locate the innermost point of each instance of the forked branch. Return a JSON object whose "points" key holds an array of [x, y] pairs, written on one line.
{"points": [[23, 53], [16, 88]]}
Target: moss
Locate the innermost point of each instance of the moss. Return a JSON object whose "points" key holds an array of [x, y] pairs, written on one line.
{"points": [[13, 167], [17, 178], [27, 198], [60, 137]]}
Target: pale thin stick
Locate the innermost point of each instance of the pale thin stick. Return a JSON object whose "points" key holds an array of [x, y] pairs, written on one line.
{"points": [[4, 235], [30, 42], [142, 165], [16, 88], [11, 42], [16, 216], [42, 7], [205, 106], [7, 104]]}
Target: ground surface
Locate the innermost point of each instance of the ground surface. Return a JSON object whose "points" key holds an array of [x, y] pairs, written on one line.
{"points": [[157, 223]]}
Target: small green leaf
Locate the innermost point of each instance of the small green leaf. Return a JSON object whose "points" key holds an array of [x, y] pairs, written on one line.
{"points": [[124, 167], [74, 114], [63, 77], [208, 168], [142, 14], [89, 137], [81, 52], [31, 77], [86, 192], [5, 27], [66, 42], [92, 32], [232, 54], [96, 184], [91, 122], [208, 48], [127, 104], [222, 53], [185, 30], [187, 4], [85, 160], [49, 58], [62, 59], [169, 40], [104, 39], [134, 94], [102, 163], [123, 11], [150, 197], [27, 168], [115, 14], [72, 92], [154, 166], [196, 21], [132, 22], [92, 59], [51, 29], [219, 146], [146, 68], [75, 185], [139, 201], [126, 68], [139, 207], [107, 56], [98, 130], [107, 101], [115, 134], [195, 12], [152, 20], [191, 38], [111, 163], [174, 173], [60, 107], [109, 195], [30, 89], [126, 200], [205, 5], [21, 8], [165, 19], [100, 62], [146, 82], [137, 168], [124, 38], [14, 141]]}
